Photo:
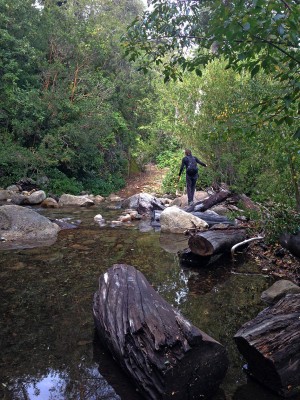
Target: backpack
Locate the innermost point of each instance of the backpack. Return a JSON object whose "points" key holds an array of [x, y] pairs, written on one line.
{"points": [[192, 168]]}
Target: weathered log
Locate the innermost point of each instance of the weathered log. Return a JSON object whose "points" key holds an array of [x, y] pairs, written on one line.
{"points": [[270, 344], [165, 355], [213, 218], [291, 243], [246, 202], [215, 241], [210, 201]]}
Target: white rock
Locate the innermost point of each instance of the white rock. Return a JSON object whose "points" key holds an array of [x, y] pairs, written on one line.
{"points": [[70, 200], [36, 197], [175, 220]]}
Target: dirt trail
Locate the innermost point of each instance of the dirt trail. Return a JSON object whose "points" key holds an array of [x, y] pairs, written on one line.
{"points": [[148, 181]]}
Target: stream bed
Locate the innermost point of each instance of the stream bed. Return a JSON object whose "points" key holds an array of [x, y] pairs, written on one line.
{"points": [[48, 346]]}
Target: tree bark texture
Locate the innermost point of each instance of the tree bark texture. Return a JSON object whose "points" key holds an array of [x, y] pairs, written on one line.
{"points": [[271, 345], [215, 241], [210, 201], [165, 355]]}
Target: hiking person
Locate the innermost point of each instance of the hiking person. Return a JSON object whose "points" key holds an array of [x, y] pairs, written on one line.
{"points": [[189, 162]]}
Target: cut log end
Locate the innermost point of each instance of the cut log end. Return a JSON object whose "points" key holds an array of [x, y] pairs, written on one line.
{"points": [[200, 246], [270, 344]]}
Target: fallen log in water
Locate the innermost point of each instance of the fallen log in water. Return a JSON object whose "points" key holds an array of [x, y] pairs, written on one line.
{"points": [[210, 201], [270, 344], [189, 259], [166, 356], [215, 241], [213, 218]]}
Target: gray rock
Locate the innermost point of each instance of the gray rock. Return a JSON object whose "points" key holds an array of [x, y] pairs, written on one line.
{"points": [[21, 223], [13, 188], [19, 199], [36, 197], [143, 203], [96, 199], [278, 290], [6, 194], [70, 200], [49, 202]]}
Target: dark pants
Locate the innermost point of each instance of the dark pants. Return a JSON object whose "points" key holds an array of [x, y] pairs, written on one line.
{"points": [[191, 186]]}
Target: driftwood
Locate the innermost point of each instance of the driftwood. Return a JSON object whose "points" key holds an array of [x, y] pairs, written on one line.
{"points": [[210, 201], [215, 241], [166, 356], [270, 344], [246, 202], [233, 248]]}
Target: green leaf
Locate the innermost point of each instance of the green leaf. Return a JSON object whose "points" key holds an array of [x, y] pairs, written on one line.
{"points": [[255, 70]]}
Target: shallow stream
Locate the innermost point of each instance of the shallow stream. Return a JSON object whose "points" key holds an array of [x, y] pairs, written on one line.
{"points": [[48, 346]]}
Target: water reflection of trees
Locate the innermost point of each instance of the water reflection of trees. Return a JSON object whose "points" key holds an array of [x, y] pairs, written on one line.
{"points": [[59, 385]]}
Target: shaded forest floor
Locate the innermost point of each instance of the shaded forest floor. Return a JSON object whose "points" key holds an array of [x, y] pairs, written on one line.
{"points": [[271, 260]]}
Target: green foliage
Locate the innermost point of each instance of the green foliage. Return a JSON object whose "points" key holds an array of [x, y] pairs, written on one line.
{"points": [[68, 98], [170, 183], [273, 219], [104, 187], [277, 219], [59, 183], [215, 117], [256, 35]]}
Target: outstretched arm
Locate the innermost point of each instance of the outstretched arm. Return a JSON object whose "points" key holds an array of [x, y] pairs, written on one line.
{"points": [[200, 162]]}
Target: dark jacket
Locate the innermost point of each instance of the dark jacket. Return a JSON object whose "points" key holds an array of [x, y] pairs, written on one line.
{"points": [[185, 163]]}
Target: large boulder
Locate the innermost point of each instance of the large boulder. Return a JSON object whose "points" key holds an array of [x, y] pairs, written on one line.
{"points": [[143, 203], [21, 223], [70, 200], [175, 220]]}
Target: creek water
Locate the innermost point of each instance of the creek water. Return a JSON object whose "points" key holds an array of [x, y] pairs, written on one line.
{"points": [[48, 345]]}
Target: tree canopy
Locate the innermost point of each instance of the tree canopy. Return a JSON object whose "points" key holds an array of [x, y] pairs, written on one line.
{"points": [[68, 96], [254, 35]]}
